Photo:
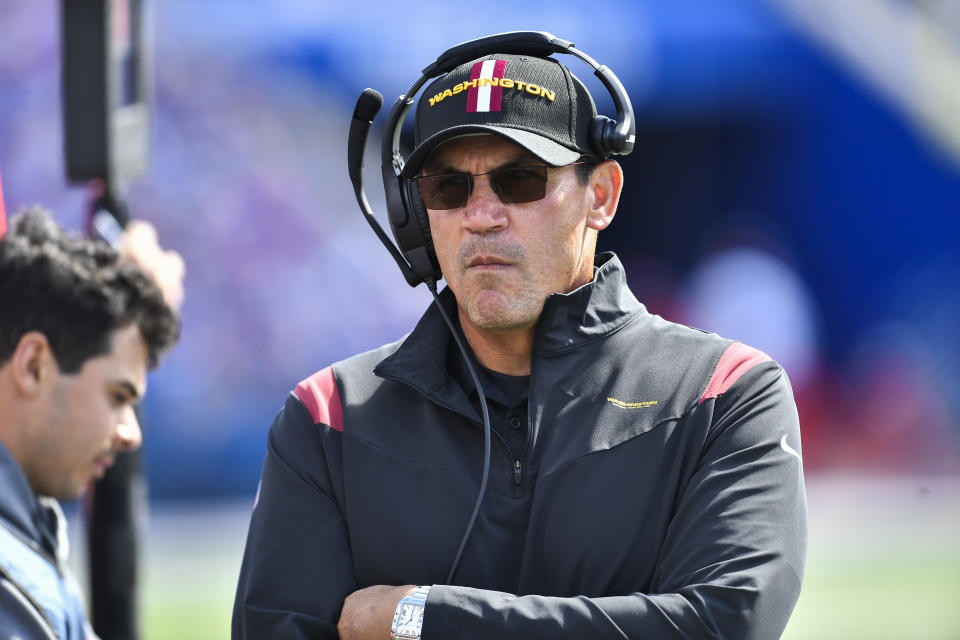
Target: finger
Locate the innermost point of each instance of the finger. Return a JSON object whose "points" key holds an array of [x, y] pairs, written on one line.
{"points": [[142, 231]]}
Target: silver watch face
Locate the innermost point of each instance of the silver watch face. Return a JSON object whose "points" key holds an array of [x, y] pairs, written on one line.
{"points": [[410, 620]]}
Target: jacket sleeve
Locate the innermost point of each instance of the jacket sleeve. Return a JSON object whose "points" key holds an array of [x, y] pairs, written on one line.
{"points": [[732, 561], [296, 568]]}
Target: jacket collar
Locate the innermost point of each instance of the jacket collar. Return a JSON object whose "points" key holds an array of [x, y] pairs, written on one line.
{"points": [[569, 320], [18, 504], [599, 307]]}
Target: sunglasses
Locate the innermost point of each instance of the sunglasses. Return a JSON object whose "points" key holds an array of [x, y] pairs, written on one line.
{"points": [[513, 185]]}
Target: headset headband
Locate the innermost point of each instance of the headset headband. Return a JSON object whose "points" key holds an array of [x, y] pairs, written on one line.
{"points": [[539, 44], [408, 218]]}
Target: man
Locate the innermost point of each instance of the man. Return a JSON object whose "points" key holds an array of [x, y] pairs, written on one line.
{"points": [[79, 327], [645, 479]]}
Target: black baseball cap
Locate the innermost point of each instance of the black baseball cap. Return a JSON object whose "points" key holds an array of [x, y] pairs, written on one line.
{"points": [[534, 102]]}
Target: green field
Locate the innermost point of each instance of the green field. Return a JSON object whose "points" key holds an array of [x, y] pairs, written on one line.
{"points": [[884, 562], [879, 599]]}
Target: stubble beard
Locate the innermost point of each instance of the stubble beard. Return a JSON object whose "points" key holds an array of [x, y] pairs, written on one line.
{"points": [[496, 310], [498, 301]]}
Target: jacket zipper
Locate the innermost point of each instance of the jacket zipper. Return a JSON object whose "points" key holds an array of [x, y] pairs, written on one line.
{"points": [[531, 427], [517, 472]]}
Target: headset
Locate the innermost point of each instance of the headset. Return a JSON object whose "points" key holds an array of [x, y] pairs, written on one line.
{"points": [[407, 215], [405, 211]]}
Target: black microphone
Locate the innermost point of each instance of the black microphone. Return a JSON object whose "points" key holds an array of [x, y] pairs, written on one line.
{"points": [[368, 104]]}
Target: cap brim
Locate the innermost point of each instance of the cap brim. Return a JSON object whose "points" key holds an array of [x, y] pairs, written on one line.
{"points": [[552, 153]]}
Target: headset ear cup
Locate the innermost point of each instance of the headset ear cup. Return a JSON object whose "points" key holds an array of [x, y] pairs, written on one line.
{"points": [[418, 211], [600, 130]]}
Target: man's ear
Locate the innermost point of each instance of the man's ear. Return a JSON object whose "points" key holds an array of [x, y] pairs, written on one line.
{"points": [[605, 185], [33, 363]]}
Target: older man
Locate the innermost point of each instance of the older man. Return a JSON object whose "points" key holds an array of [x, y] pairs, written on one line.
{"points": [[645, 480]]}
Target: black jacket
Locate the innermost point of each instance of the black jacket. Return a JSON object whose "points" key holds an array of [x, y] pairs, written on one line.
{"points": [[662, 497]]}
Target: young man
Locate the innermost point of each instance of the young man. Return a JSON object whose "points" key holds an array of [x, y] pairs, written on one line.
{"points": [[644, 480], [79, 327]]}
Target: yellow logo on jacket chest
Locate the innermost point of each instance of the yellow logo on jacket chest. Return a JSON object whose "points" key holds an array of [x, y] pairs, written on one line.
{"points": [[631, 405]]}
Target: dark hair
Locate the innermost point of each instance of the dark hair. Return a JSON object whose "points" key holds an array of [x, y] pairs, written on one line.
{"points": [[585, 168], [76, 292]]}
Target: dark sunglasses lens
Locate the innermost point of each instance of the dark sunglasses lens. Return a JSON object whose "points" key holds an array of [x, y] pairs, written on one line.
{"points": [[447, 191], [520, 184]]}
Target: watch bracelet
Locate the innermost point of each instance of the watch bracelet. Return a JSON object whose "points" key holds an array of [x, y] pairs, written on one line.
{"points": [[418, 598]]}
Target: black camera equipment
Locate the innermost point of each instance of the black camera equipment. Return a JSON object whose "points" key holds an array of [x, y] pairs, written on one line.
{"points": [[106, 118]]}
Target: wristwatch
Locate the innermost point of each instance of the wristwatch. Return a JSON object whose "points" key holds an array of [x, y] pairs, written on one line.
{"points": [[408, 620]]}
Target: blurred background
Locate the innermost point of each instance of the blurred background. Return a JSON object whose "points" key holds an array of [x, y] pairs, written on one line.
{"points": [[795, 185]]}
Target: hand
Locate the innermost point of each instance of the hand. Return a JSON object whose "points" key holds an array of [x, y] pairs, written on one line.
{"points": [[167, 268], [368, 613]]}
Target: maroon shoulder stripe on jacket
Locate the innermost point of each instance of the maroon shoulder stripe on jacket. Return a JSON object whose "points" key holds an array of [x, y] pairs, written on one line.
{"points": [[3, 213], [319, 394], [735, 361]]}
